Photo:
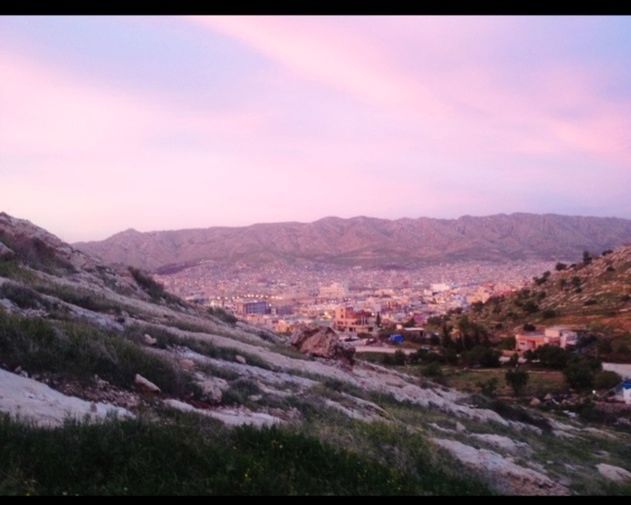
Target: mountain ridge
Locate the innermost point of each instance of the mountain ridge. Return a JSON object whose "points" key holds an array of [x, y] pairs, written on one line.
{"points": [[370, 242]]}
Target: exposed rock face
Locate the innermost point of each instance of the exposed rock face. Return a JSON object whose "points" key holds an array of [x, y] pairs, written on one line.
{"points": [[145, 384], [323, 342], [614, 473], [33, 401], [508, 476]]}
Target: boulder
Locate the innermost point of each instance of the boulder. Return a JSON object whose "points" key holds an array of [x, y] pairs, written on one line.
{"points": [[212, 387], [149, 340], [535, 402], [323, 342], [614, 473], [145, 385]]}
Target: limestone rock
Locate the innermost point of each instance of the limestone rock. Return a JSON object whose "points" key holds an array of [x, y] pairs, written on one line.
{"points": [[323, 342], [614, 473], [149, 340], [145, 384], [240, 359]]}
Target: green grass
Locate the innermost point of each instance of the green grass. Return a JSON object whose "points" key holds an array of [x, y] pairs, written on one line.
{"points": [[24, 297], [154, 289], [138, 458], [78, 351]]}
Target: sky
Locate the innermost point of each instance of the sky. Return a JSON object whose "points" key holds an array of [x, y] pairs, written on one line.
{"points": [[154, 123]]}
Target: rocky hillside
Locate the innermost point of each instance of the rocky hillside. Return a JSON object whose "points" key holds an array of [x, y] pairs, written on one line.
{"points": [[169, 399], [369, 242], [594, 294]]}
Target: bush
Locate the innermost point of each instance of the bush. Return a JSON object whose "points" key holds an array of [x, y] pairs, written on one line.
{"points": [[24, 297], [489, 386], [549, 313], [560, 266], [528, 327], [579, 375], [517, 379], [222, 314], [154, 289], [482, 356], [432, 370], [552, 356], [531, 307], [606, 380]]}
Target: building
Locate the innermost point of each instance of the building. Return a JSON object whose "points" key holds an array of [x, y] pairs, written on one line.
{"points": [[260, 307], [334, 291], [348, 319], [567, 336], [561, 336]]}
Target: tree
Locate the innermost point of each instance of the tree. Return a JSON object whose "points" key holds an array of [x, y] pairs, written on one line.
{"points": [[529, 327], [587, 257], [399, 357], [514, 360], [552, 356], [560, 266], [482, 356], [378, 320], [606, 379], [516, 379], [579, 375]]}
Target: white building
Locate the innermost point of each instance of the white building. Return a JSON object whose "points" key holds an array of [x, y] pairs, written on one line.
{"points": [[567, 336]]}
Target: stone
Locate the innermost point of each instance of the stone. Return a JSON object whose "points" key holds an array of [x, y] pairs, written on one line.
{"points": [[614, 473], [323, 342], [187, 364], [460, 427], [240, 359], [149, 340], [145, 384], [535, 402]]}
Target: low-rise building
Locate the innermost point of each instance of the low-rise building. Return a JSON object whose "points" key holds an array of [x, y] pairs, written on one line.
{"points": [[561, 336], [356, 321]]}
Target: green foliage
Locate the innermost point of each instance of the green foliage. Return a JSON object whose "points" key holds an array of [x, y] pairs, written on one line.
{"points": [[517, 379], [530, 307], [78, 351], [552, 356], [222, 314], [606, 379], [489, 386], [432, 370], [139, 458], [482, 356], [154, 289], [81, 298], [579, 374], [549, 313], [507, 343], [24, 297]]}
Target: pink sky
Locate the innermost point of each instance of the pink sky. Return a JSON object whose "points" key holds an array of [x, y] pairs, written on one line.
{"points": [[160, 123]]}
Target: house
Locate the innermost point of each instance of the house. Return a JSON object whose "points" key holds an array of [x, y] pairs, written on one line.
{"points": [[356, 321], [565, 335], [561, 336]]}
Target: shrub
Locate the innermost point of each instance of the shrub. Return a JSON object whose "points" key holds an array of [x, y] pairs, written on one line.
{"points": [[531, 307], [549, 313], [222, 314], [528, 327], [552, 356], [560, 266], [482, 356], [489, 386], [516, 379], [606, 379], [432, 370], [154, 289], [24, 297], [579, 374]]}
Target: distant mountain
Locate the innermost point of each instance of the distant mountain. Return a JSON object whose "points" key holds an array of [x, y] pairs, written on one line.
{"points": [[369, 242]]}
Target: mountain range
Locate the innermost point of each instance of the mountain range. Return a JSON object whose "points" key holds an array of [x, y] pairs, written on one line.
{"points": [[368, 242]]}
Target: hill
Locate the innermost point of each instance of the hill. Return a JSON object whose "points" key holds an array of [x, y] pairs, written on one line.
{"points": [[368, 242], [111, 385], [593, 294]]}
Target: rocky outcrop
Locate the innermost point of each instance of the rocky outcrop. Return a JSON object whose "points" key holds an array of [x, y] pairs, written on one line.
{"points": [[323, 342], [30, 400], [505, 475], [614, 473], [145, 385]]}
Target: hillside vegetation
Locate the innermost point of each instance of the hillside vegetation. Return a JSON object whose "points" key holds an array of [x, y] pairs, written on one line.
{"points": [[109, 384]]}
